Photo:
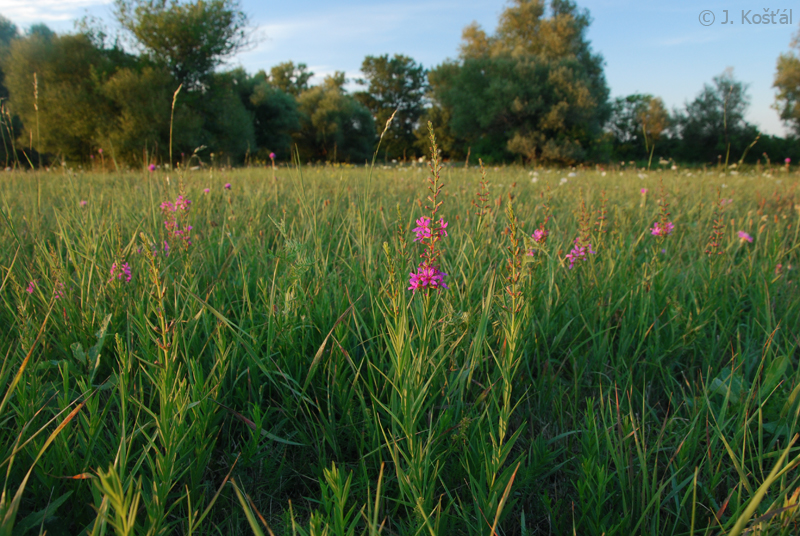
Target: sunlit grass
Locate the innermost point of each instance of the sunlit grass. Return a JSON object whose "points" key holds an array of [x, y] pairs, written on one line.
{"points": [[651, 389]]}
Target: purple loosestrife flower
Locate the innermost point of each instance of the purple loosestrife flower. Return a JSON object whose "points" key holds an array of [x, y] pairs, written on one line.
{"points": [[31, 287], [121, 272], [423, 229], [539, 235], [578, 253], [659, 230], [174, 214], [427, 277], [744, 237]]}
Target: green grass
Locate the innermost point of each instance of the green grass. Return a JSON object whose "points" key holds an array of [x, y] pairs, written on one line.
{"points": [[277, 373]]}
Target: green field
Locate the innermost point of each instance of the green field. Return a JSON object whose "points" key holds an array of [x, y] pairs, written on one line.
{"points": [[273, 369]]}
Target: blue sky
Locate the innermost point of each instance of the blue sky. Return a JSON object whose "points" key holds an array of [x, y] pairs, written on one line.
{"points": [[650, 47]]}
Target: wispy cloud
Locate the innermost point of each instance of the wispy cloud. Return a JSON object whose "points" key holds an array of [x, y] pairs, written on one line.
{"points": [[31, 11]]}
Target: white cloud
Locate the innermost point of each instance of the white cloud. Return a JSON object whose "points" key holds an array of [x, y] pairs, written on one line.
{"points": [[23, 12]]}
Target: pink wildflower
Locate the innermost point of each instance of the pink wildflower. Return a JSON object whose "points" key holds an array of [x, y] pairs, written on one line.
{"points": [[540, 235], [423, 229], [659, 230], [744, 237], [174, 214], [427, 277], [120, 272], [578, 253]]}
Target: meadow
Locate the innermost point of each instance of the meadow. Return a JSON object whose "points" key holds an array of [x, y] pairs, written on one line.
{"points": [[237, 351]]}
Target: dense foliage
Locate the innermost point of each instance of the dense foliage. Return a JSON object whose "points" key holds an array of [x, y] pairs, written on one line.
{"points": [[533, 91]]}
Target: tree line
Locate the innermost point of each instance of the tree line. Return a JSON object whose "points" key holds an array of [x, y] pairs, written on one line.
{"points": [[533, 92]]}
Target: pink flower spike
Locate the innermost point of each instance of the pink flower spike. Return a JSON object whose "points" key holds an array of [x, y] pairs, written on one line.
{"points": [[539, 235], [658, 230], [121, 272], [427, 277], [744, 237], [423, 229]]}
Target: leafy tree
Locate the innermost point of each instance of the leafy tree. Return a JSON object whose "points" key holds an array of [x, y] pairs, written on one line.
{"points": [[334, 125], [71, 109], [624, 125], [8, 32], [290, 78], [140, 100], [273, 113], [227, 127], [41, 30], [534, 88], [396, 84], [654, 120], [190, 38], [787, 81], [713, 125]]}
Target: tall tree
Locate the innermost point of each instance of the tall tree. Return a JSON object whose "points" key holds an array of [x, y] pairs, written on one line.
{"points": [[787, 81], [713, 126], [190, 38], [396, 84], [534, 88], [8, 32], [290, 78], [71, 108], [654, 120], [625, 127], [335, 127]]}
